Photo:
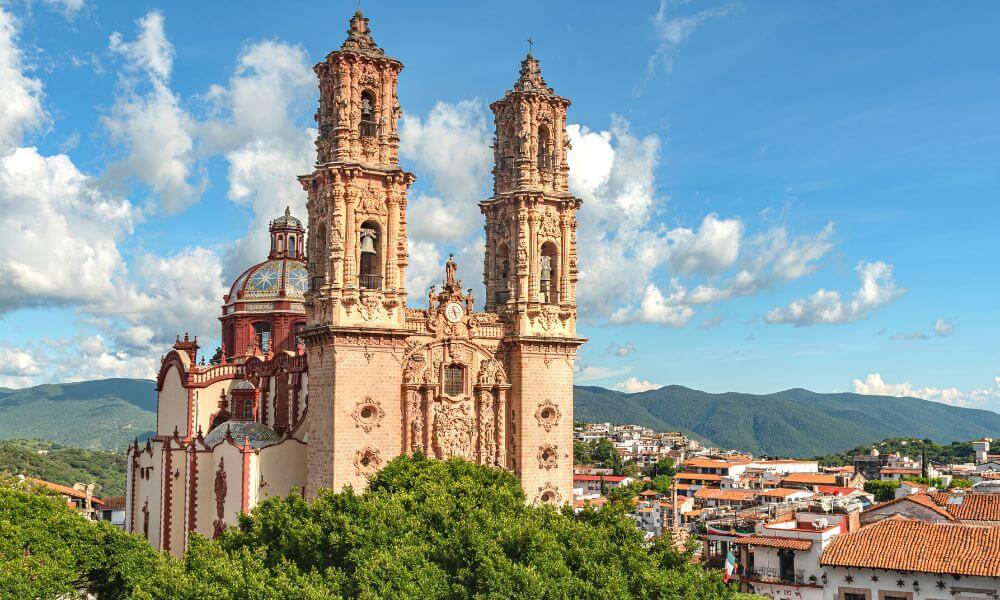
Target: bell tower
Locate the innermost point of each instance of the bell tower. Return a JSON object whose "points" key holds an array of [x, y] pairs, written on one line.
{"points": [[530, 269], [530, 273], [357, 253]]}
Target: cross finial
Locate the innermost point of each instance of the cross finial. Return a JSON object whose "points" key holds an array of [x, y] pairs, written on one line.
{"points": [[531, 44]]}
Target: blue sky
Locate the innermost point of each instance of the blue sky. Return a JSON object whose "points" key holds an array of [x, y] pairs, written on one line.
{"points": [[777, 194]]}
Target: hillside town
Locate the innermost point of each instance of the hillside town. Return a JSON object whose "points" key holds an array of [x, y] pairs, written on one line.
{"points": [[888, 526]]}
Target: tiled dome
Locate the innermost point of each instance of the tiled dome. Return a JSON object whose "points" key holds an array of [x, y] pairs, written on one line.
{"points": [[267, 279], [258, 434]]}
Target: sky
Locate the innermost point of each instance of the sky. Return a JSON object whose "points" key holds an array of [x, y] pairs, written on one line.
{"points": [[775, 194]]}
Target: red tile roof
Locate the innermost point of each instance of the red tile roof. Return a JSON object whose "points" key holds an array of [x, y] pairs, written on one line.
{"points": [[725, 495], [64, 490], [973, 507], [898, 471], [113, 503], [698, 477], [810, 478], [918, 546], [782, 492], [707, 463], [921, 499], [833, 490], [607, 478], [775, 542]]}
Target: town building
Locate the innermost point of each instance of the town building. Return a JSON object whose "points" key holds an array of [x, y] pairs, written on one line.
{"points": [[327, 371]]}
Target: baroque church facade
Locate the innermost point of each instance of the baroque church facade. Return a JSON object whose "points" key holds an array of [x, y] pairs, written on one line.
{"points": [[328, 368]]}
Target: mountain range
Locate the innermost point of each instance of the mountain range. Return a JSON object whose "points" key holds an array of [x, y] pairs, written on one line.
{"points": [[107, 414]]}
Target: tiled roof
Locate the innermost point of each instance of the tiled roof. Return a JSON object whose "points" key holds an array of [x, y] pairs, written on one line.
{"points": [[973, 507], [698, 477], [707, 463], [833, 490], [898, 471], [729, 495], [113, 503], [607, 478], [918, 546], [782, 492], [65, 490], [921, 499], [775, 542], [810, 478]]}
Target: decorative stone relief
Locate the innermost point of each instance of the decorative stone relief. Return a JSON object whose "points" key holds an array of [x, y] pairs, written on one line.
{"points": [[368, 414], [548, 319], [221, 489], [491, 372], [367, 460], [372, 203], [548, 457], [548, 494], [454, 428], [372, 306], [548, 415]]}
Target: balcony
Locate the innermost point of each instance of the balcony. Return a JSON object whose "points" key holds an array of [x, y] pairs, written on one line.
{"points": [[786, 577], [370, 282], [369, 129]]}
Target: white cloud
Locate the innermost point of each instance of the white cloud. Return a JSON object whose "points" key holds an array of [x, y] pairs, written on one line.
{"points": [[943, 327], [873, 384], [151, 125], [451, 145], [656, 308], [583, 373], [827, 307], [633, 385], [59, 245], [99, 362], [20, 96], [254, 126], [621, 350], [712, 249], [672, 30], [67, 8]]}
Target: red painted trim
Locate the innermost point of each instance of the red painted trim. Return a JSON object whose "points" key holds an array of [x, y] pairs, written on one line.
{"points": [[168, 486], [171, 359], [246, 478], [192, 491], [134, 453]]}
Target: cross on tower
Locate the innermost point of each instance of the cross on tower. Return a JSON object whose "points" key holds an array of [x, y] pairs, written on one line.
{"points": [[531, 43]]}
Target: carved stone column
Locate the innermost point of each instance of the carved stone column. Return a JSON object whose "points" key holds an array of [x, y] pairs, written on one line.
{"points": [[501, 428], [533, 274], [564, 252], [391, 226], [350, 239]]}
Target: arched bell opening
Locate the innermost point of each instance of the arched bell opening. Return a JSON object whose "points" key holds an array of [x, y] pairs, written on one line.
{"points": [[318, 258], [501, 262], [370, 242], [544, 151], [368, 126], [548, 269]]}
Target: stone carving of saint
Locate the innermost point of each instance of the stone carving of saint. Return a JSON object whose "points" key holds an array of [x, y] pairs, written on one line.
{"points": [[449, 270]]}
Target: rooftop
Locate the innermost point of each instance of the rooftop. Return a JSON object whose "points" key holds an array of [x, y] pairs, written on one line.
{"points": [[918, 546]]}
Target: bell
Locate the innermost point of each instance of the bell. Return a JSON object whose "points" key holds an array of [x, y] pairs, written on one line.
{"points": [[367, 241]]}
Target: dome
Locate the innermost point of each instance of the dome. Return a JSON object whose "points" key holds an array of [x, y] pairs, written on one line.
{"points": [[286, 221], [258, 434], [267, 279]]}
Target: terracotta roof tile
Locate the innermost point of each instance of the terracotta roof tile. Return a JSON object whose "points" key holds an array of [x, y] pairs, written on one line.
{"points": [[775, 542], [728, 495], [921, 499], [810, 478], [918, 546], [973, 507], [698, 477]]}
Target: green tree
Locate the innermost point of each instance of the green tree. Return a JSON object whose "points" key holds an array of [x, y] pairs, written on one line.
{"points": [[882, 490], [960, 482], [661, 483]]}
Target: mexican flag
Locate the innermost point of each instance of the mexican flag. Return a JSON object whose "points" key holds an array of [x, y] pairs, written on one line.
{"points": [[730, 566]]}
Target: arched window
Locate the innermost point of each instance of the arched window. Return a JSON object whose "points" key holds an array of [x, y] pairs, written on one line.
{"points": [[507, 151], [297, 330], [454, 380], [370, 241], [544, 149], [368, 127], [291, 246], [548, 270], [262, 331], [502, 265]]}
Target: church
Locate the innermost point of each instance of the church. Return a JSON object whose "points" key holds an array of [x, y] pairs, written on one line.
{"points": [[329, 368]]}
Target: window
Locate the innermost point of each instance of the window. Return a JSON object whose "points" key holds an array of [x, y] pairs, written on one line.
{"points": [[853, 596], [786, 565], [454, 380], [297, 331], [291, 246], [368, 128], [549, 274], [544, 156], [262, 331]]}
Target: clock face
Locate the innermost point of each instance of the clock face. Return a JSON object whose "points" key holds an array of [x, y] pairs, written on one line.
{"points": [[453, 312]]}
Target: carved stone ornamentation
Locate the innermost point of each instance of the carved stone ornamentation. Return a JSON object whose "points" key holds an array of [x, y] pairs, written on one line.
{"points": [[368, 414], [549, 318], [454, 428], [221, 489], [367, 461], [491, 372], [372, 306], [548, 457], [548, 415], [414, 411], [372, 203], [548, 494], [550, 225]]}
